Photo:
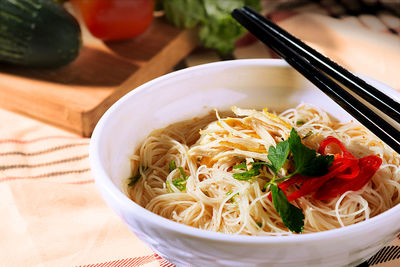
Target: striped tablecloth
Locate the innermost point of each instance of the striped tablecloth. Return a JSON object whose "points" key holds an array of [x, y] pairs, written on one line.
{"points": [[50, 211]]}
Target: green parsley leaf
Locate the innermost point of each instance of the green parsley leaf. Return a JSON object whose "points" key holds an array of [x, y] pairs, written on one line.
{"points": [[240, 166], [259, 224], [278, 155], [305, 159], [247, 175], [300, 122], [292, 217], [260, 163], [172, 165]]}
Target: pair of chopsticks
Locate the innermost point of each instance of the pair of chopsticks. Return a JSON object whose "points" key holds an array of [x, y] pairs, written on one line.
{"points": [[318, 69]]}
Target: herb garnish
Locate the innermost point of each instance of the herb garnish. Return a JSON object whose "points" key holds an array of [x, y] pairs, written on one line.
{"points": [[306, 162], [307, 135], [182, 172], [232, 196], [278, 155], [305, 159], [248, 174], [240, 166], [292, 216], [180, 182], [133, 180], [169, 188], [172, 165]]}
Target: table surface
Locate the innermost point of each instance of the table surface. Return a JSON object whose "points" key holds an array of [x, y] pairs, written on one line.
{"points": [[52, 213]]}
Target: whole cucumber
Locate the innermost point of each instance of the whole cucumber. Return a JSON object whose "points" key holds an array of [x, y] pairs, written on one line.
{"points": [[37, 33]]}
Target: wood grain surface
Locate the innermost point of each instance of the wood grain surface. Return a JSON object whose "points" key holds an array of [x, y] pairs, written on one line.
{"points": [[75, 96]]}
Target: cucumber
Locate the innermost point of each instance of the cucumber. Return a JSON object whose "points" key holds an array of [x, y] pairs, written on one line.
{"points": [[37, 33]]}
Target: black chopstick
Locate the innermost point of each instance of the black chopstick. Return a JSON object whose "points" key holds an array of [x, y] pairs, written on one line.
{"points": [[380, 100], [386, 132]]}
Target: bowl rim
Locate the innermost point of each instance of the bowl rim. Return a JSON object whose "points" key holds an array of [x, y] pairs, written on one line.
{"points": [[103, 180]]}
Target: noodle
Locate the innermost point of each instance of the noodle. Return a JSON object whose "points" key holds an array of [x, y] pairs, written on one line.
{"points": [[202, 193]]}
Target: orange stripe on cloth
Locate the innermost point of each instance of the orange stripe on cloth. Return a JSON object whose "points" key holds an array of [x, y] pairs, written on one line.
{"points": [[83, 182], [133, 262]]}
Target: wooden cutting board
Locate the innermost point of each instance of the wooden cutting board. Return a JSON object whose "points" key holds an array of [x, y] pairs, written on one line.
{"points": [[74, 97]]}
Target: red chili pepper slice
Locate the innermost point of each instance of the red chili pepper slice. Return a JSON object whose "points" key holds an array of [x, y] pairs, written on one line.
{"points": [[346, 173], [312, 184], [345, 158], [285, 185], [368, 166], [348, 167], [351, 172], [309, 184], [332, 140]]}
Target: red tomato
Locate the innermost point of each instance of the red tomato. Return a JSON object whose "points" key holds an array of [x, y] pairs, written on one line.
{"points": [[111, 20]]}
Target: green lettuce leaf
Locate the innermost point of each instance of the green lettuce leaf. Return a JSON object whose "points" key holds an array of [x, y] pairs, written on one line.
{"points": [[184, 13], [217, 28]]}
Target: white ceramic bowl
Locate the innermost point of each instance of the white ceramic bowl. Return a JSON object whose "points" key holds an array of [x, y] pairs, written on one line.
{"points": [[192, 92]]}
